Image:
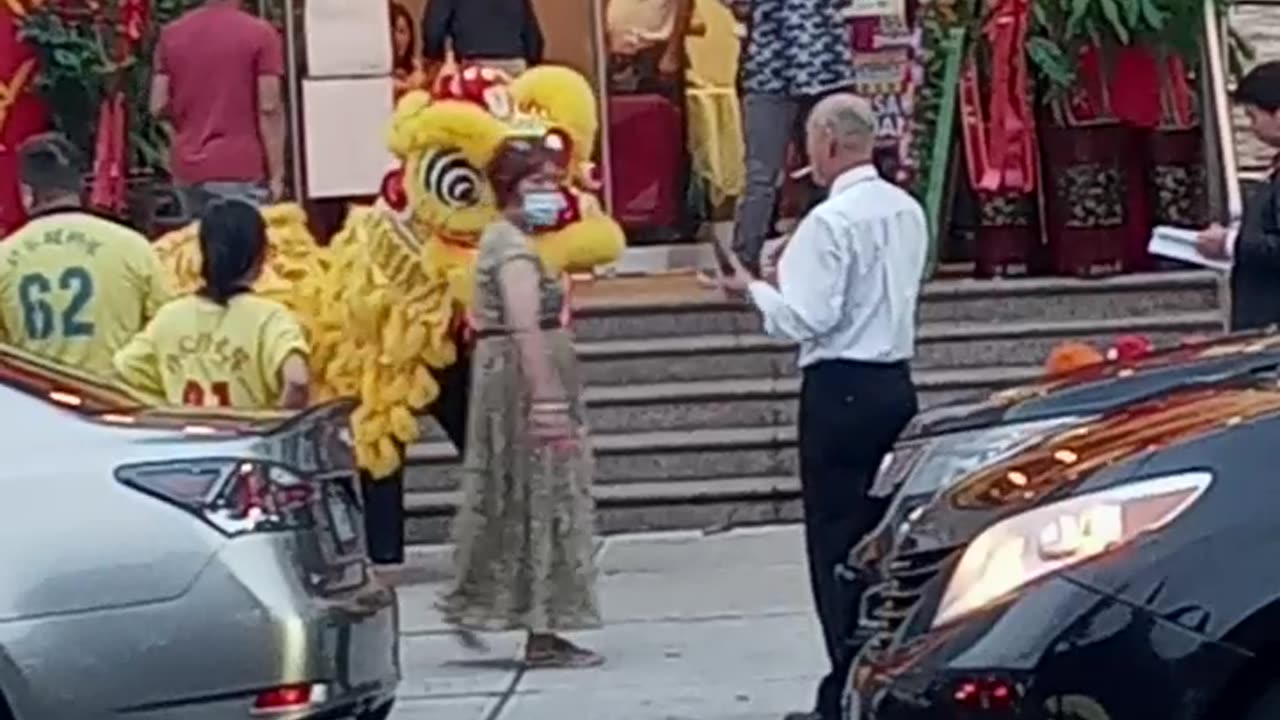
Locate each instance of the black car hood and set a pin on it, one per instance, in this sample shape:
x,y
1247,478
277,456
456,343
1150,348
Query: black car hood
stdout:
x,y
1086,456
1101,387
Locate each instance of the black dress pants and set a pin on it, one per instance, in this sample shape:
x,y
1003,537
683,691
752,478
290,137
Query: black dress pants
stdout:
x,y
384,499
851,413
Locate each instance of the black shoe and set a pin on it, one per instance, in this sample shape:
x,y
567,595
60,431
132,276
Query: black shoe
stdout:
x,y
802,716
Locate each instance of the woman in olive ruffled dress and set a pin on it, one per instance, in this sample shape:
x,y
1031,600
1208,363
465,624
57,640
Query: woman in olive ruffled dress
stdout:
x,y
524,534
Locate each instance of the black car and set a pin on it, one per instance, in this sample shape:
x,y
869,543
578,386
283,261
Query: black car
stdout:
x,y
1120,569
943,444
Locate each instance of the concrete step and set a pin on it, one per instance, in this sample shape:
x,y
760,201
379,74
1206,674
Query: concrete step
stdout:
x,y
642,457
945,301
661,453
744,402
940,345
750,380
712,505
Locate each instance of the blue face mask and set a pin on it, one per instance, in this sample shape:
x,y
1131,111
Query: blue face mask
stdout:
x,y
542,209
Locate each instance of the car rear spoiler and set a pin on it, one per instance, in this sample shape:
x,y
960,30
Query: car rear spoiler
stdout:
x,y
336,410
317,440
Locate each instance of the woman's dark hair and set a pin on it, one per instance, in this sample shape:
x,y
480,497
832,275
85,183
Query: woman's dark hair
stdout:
x,y
1260,87
233,239
515,160
403,61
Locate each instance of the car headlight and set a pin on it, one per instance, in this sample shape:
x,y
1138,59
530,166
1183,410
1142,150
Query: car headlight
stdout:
x,y
1022,549
919,468
927,465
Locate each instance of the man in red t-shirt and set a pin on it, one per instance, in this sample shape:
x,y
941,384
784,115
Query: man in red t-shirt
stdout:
x,y
218,73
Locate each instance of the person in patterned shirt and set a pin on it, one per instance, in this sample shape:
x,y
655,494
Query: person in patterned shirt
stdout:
x,y
795,53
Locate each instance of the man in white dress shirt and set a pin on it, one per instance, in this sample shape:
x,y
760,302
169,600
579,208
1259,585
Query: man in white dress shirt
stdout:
x,y
847,287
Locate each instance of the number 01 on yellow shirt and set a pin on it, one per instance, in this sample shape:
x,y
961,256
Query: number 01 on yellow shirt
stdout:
x,y
199,353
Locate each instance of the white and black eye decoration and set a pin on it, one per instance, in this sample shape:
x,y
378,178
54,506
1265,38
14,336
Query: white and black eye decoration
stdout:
x,y
449,176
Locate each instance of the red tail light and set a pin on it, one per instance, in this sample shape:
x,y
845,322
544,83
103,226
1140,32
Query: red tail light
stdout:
x,y
990,694
234,496
289,698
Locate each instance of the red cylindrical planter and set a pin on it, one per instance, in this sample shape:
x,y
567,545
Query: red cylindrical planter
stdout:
x,y
1008,232
1176,177
1097,219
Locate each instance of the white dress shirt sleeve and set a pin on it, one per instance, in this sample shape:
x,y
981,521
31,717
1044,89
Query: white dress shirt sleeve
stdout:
x,y
812,275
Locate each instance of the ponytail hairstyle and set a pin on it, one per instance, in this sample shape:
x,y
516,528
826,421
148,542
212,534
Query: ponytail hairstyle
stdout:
x,y
233,240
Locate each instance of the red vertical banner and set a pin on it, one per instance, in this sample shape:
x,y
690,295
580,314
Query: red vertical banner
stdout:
x,y
22,112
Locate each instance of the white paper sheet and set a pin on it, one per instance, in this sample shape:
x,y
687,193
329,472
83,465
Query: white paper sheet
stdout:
x,y
1180,244
346,38
345,126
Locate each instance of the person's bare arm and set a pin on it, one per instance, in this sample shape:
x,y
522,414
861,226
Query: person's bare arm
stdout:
x,y
520,297
672,60
158,99
295,383
271,128
270,69
158,102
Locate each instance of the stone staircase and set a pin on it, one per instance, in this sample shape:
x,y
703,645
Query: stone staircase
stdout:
x,y
693,410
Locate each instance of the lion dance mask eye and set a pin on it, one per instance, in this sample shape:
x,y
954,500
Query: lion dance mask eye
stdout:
x,y
449,176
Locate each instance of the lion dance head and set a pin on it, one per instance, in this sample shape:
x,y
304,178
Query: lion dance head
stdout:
x,y
444,141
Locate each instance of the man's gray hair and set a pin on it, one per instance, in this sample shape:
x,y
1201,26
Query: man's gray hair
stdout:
x,y
849,118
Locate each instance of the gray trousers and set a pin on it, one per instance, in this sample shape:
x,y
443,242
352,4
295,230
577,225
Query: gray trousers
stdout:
x,y
769,124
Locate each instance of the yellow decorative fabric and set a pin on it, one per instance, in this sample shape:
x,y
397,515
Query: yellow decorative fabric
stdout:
x,y
716,146
715,141
713,53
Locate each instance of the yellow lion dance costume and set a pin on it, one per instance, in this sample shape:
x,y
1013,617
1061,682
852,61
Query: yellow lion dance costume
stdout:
x,y
384,302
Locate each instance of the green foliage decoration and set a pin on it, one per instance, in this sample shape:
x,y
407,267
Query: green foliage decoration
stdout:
x,y
74,45
1061,28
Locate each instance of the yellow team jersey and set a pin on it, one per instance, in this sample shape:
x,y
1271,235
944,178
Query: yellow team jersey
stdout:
x,y
197,352
75,287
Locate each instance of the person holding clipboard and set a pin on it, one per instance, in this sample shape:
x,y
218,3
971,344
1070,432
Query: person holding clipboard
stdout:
x,y
1253,249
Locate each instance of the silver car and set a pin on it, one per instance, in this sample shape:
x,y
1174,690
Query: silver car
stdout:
x,y
159,564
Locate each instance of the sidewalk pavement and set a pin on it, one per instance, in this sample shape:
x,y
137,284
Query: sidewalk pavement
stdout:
x,y
715,627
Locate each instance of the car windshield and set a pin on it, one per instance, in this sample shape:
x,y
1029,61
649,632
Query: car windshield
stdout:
x,y
109,400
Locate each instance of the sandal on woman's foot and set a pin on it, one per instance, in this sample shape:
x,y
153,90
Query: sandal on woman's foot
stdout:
x,y
562,659
560,653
